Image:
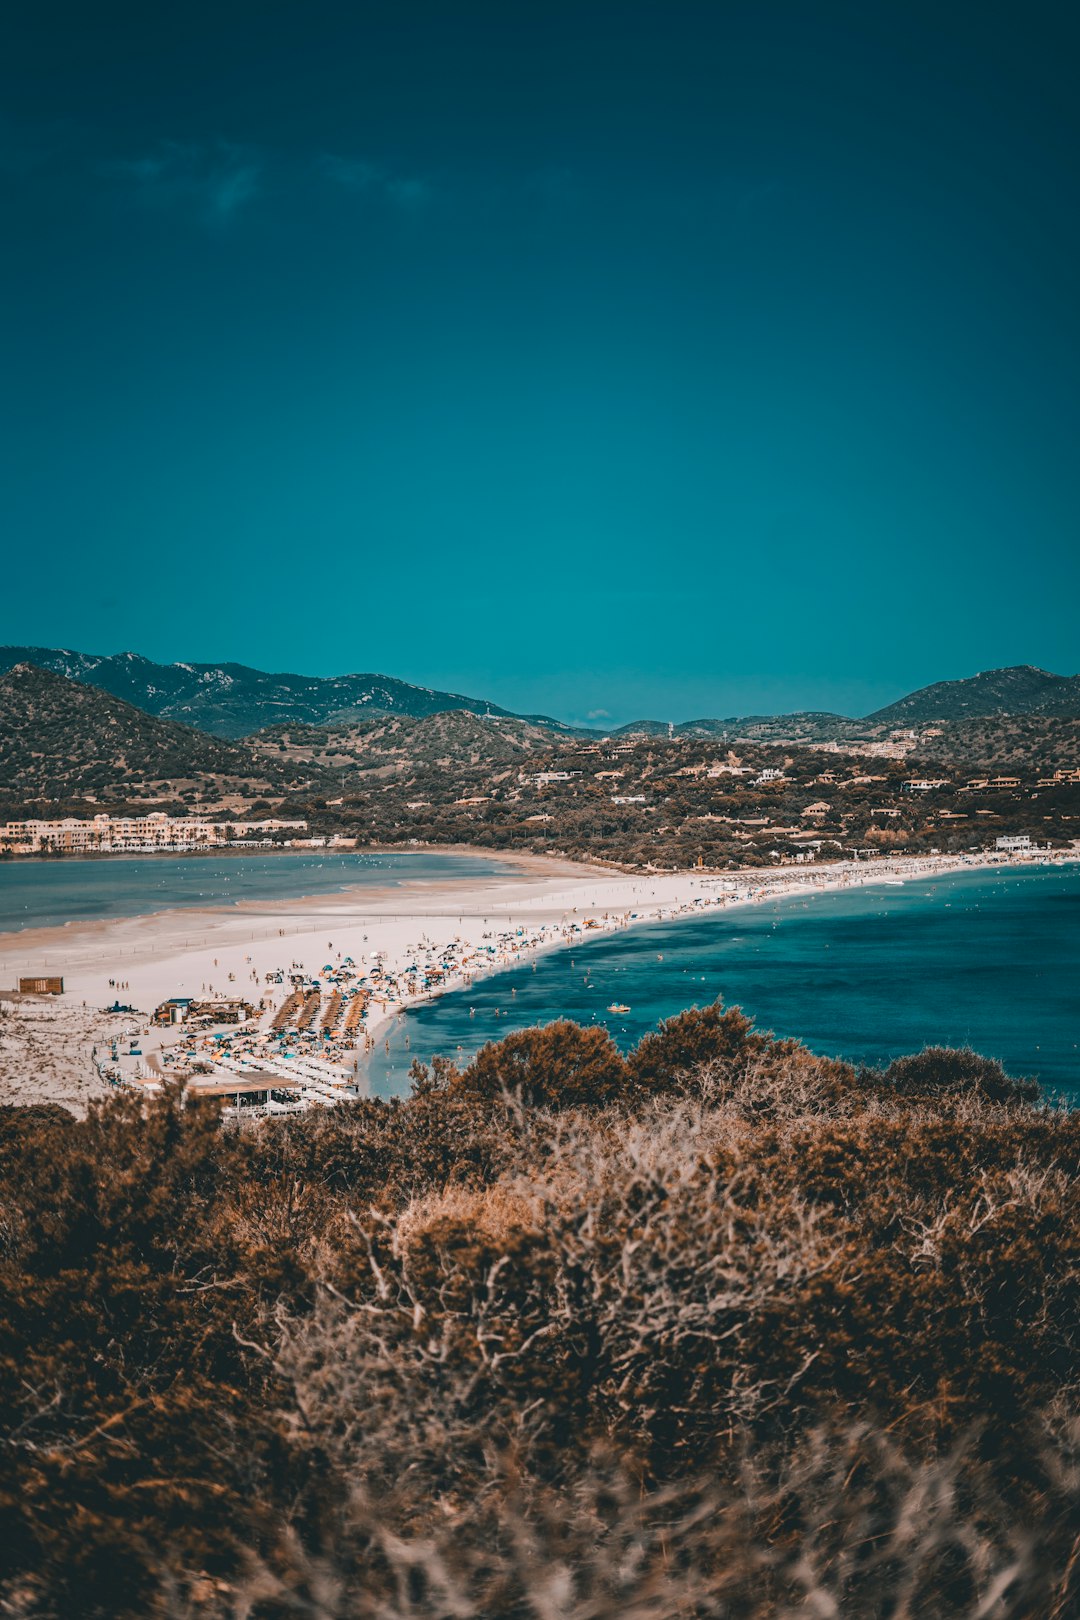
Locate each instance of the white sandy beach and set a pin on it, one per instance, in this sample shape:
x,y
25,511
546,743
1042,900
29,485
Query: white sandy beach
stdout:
x,y
453,930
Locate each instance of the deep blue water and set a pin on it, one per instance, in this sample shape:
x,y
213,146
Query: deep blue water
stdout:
x,y
990,960
41,893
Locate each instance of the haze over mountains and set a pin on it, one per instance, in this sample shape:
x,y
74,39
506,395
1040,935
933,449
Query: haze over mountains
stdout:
x,y
233,700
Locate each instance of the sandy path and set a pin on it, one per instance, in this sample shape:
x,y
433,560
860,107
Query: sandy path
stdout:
x,y
46,1050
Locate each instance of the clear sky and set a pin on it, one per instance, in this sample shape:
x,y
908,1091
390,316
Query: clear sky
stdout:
x,y
604,359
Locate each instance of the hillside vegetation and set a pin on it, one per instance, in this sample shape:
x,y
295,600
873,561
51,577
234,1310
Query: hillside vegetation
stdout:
x,y
719,1330
671,802
407,743
64,742
1036,743
234,700
1020,689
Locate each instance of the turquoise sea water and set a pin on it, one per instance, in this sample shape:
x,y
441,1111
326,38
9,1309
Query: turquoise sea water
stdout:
x,y
40,894
986,959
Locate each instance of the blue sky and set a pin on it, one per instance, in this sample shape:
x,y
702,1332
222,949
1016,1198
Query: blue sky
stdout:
x,y
601,359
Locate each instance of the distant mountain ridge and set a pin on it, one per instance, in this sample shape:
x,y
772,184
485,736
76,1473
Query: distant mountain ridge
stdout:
x,y
1020,689
809,726
234,700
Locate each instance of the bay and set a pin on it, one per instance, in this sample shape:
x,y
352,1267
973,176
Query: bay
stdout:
x,y
988,959
50,892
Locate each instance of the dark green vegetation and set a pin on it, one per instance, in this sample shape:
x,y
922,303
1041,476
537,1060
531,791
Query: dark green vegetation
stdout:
x,y
1023,689
388,744
1036,744
724,1329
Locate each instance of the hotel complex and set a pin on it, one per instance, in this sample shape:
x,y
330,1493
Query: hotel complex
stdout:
x,y
108,834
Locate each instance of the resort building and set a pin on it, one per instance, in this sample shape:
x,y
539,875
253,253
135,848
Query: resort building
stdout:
x,y
996,784
135,834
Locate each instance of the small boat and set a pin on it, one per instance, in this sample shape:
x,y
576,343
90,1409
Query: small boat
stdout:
x,y
618,1006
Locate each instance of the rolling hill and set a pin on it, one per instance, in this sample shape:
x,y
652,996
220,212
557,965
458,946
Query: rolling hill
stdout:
x,y
774,728
453,739
65,742
1022,689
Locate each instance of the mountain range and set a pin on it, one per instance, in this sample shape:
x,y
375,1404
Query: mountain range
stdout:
x,y
67,742
1017,691
1021,689
233,700
63,742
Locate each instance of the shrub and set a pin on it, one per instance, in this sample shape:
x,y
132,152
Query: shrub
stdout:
x,y
559,1065
729,1330
666,1060
942,1071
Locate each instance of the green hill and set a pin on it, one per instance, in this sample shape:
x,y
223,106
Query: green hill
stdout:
x,y
64,741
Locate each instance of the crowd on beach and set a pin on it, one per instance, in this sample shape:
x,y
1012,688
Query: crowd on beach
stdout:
x,y
307,1030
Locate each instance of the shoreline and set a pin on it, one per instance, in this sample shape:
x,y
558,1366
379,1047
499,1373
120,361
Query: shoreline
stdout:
x,y
843,877
240,907
411,943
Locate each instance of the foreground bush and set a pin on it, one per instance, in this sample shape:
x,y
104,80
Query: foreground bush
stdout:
x,y
721,1329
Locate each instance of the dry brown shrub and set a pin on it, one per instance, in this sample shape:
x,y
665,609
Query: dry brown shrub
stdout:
x,y
765,1338
493,1211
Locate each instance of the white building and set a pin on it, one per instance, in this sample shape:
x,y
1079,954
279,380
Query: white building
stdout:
x,y
136,834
